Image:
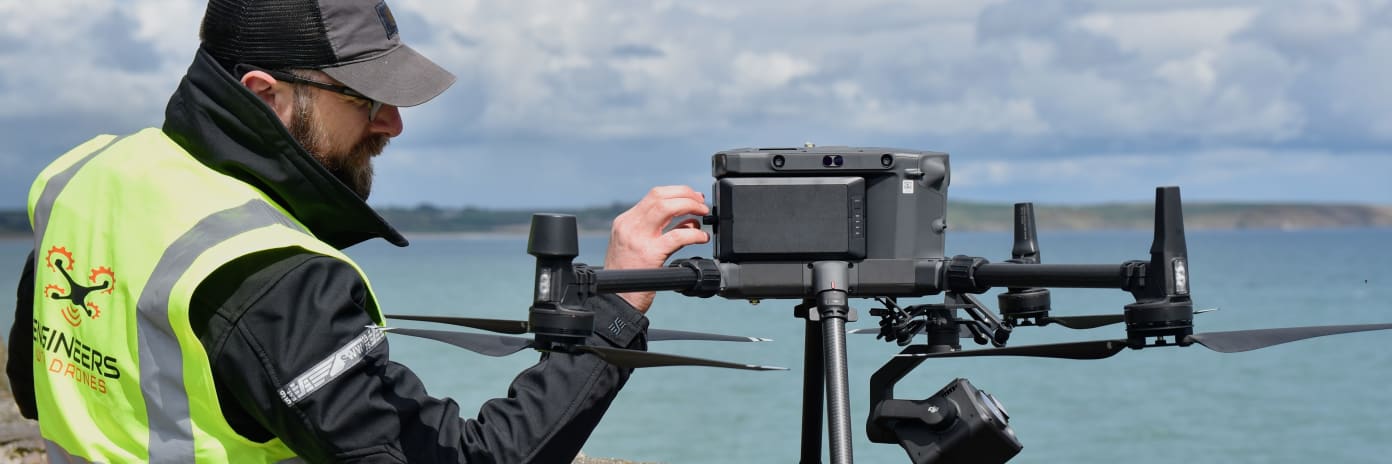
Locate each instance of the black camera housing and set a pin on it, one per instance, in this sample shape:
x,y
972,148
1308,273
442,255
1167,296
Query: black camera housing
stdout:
x,y
957,425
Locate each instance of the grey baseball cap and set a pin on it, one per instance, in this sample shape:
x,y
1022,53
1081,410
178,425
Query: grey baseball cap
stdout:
x,y
353,41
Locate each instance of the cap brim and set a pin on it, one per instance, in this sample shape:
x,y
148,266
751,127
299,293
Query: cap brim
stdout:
x,y
401,77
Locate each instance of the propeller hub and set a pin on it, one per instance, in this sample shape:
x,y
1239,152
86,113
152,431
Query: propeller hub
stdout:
x,y
1171,317
558,326
1024,306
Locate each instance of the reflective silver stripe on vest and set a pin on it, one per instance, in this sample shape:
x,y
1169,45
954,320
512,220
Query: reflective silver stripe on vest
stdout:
x,y
44,208
58,455
161,360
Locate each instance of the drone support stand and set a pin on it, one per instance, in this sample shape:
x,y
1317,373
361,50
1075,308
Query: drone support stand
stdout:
x,y
812,386
825,361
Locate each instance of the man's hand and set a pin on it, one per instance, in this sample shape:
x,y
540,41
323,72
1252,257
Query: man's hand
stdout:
x,y
637,240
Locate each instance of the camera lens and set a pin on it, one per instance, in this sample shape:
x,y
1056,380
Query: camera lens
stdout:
x,y
990,404
837,160
886,160
778,161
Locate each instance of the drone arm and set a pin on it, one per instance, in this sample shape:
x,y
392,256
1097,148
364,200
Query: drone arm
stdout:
x,y
1051,275
632,280
1163,307
690,277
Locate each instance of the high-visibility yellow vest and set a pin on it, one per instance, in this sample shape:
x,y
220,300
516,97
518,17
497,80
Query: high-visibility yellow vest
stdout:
x,y
125,229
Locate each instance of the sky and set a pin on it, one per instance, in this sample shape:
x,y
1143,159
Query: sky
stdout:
x,y
591,102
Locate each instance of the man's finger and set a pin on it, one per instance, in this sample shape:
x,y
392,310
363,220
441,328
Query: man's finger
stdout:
x,y
660,215
685,222
678,238
673,207
672,191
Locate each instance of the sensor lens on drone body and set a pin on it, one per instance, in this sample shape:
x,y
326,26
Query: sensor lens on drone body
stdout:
x,y
992,405
833,161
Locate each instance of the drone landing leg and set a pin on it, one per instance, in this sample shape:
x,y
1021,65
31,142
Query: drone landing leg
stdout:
x,y
811,384
830,279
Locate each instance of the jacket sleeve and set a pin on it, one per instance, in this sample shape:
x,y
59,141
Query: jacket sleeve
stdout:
x,y
270,337
20,367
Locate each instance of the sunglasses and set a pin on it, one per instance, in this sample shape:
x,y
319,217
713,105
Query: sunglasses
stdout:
x,y
373,105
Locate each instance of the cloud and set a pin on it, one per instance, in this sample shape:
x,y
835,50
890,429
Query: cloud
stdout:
x,y
1337,48
763,71
1036,83
1219,174
636,51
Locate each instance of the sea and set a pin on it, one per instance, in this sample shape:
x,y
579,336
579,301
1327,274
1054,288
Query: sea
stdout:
x,y
1321,400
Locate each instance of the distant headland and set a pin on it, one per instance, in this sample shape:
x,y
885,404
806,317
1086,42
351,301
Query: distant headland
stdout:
x,y
961,216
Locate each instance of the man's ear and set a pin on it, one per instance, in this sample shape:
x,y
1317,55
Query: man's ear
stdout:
x,y
280,98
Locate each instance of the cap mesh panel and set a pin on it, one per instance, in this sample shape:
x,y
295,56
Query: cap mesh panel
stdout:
x,y
268,33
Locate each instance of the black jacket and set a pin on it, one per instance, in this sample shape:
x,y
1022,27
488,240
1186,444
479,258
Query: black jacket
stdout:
x,y
267,317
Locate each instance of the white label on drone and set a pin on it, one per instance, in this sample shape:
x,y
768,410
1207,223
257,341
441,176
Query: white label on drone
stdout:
x,y
544,286
908,187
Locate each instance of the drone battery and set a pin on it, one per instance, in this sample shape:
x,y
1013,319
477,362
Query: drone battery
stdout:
x,y
791,217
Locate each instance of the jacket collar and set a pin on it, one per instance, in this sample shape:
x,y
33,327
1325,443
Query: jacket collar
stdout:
x,y
227,128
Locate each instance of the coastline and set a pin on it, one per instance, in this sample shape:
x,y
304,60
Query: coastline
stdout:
x,y
516,234
437,222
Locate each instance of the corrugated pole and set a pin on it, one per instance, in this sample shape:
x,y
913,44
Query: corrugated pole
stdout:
x,y
811,383
831,283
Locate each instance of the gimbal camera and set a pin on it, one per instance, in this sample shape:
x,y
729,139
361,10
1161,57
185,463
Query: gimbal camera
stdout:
x,y
823,225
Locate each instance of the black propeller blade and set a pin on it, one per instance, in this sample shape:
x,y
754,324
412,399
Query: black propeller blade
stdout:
x,y
1087,322
1099,320
1072,322
490,345
962,332
632,358
520,327
1247,340
501,345
1097,349
1223,342
655,335
491,325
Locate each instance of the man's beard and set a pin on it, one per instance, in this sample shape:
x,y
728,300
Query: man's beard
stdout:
x,y
353,168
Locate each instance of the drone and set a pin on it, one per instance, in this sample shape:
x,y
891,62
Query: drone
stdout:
x,y
821,225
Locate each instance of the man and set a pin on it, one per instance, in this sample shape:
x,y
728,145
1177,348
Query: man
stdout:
x,y
186,299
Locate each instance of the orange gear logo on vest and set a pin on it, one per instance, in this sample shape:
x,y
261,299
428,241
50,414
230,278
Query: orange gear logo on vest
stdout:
x,y
78,296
